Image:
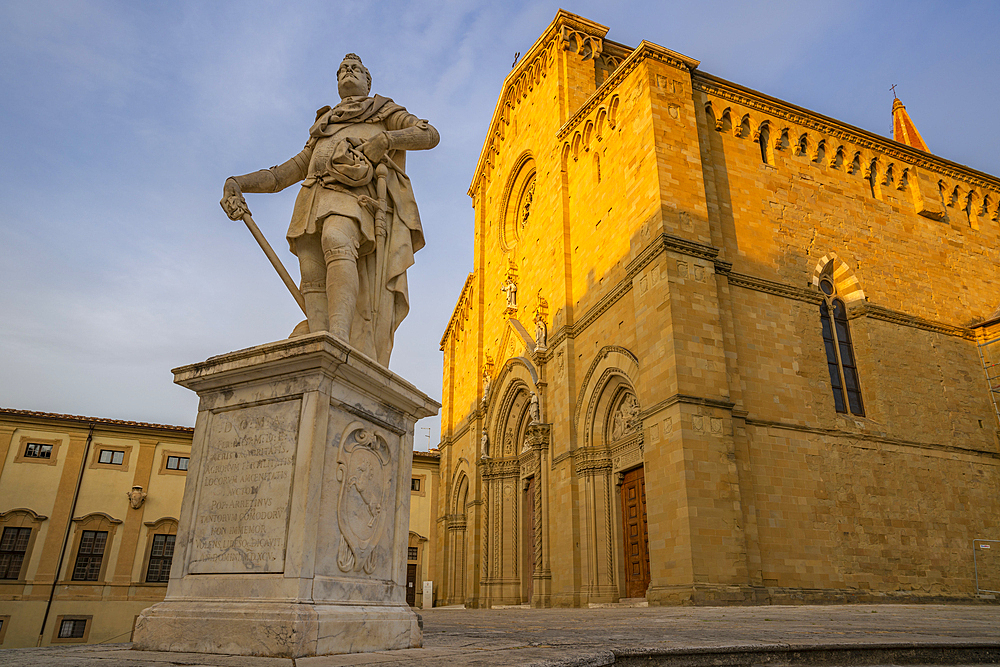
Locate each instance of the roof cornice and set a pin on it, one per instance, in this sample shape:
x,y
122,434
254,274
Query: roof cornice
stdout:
x,y
551,33
458,307
756,100
645,51
85,422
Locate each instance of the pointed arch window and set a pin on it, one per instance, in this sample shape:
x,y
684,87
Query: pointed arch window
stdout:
x,y
840,352
764,139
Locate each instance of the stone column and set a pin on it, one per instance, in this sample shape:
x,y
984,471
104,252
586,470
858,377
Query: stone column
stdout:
x,y
294,525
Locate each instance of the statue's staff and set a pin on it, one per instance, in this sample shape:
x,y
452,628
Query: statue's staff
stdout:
x,y
240,207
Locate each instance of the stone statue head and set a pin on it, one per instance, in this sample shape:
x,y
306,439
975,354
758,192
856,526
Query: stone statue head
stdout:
x,y
353,78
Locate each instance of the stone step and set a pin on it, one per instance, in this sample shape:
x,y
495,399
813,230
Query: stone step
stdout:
x,y
622,603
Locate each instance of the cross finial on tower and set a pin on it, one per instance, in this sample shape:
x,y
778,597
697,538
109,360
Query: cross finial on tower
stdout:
x,y
903,129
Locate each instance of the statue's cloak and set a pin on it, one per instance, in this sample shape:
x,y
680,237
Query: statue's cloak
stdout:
x,y
336,167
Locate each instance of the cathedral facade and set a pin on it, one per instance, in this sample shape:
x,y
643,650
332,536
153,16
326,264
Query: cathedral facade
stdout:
x,y
714,348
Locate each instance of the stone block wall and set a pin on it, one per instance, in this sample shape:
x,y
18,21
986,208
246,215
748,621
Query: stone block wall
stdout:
x,y
674,243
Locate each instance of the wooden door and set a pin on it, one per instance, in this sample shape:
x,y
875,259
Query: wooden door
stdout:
x,y
636,543
529,537
411,584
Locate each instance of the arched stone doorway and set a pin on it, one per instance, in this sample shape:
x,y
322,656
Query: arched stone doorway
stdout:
x,y
456,536
610,468
504,573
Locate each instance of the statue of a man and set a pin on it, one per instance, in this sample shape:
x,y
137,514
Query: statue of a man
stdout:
x,y
534,411
487,383
509,288
352,260
541,332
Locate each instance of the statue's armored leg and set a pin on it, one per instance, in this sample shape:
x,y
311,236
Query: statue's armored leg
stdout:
x,y
341,239
313,287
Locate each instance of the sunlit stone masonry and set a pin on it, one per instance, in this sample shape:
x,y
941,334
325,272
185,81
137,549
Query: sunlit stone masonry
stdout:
x,y
715,347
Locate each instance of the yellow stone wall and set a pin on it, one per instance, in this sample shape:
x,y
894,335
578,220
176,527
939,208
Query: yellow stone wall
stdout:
x,y
423,527
671,260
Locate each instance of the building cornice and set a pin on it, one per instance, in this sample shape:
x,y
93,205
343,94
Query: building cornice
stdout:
x,y
753,99
455,314
645,51
523,68
855,439
85,422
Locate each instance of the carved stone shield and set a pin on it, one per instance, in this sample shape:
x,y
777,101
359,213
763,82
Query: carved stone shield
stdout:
x,y
366,496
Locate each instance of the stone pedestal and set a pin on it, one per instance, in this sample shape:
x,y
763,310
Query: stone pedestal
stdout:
x,y
294,525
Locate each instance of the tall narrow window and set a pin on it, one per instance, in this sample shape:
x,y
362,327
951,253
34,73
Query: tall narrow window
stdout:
x,y
839,352
161,555
90,555
13,545
764,139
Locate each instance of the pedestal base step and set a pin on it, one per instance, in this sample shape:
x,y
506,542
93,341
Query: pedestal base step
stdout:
x,y
275,629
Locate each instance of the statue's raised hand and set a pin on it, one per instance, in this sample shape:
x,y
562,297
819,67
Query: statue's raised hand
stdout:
x,y
376,148
233,202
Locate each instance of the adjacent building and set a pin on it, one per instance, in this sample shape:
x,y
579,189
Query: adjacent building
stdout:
x,y
714,347
88,519
420,563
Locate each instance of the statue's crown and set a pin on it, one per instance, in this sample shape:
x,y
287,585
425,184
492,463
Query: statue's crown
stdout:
x,y
353,56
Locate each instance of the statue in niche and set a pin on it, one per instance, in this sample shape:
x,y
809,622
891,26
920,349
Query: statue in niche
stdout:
x,y
626,418
487,381
509,288
533,410
355,225
541,332
526,200
484,444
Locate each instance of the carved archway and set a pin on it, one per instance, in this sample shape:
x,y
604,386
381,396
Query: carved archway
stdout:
x,y
609,425
612,361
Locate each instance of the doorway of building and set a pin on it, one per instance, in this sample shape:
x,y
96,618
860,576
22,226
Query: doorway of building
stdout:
x,y
634,525
529,537
411,584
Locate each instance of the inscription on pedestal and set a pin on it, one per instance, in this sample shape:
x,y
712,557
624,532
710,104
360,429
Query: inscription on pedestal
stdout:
x,y
245,484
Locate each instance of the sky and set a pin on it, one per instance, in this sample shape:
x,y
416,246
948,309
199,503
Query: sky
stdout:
x,y
120,121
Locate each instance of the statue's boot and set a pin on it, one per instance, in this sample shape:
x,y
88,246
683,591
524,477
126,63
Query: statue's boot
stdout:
x,y
342,300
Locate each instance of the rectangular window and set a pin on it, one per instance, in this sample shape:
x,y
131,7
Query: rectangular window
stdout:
x,y
72,628
37,450
411,553
112,456
415,484
90,555
160,557
177,462
13,545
